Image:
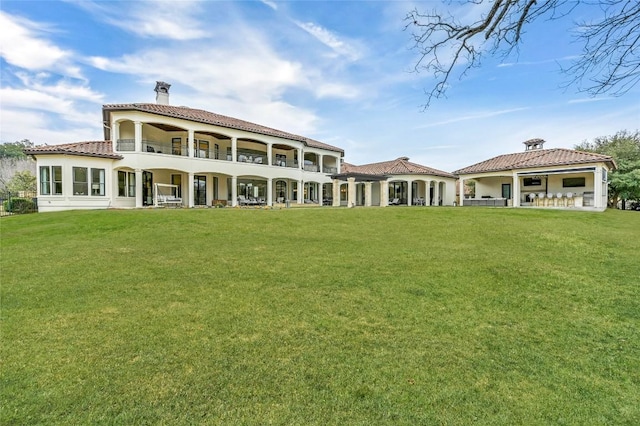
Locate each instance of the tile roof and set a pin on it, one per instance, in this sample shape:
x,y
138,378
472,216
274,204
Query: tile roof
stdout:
x,y
207,117
101,149
536,158
399,166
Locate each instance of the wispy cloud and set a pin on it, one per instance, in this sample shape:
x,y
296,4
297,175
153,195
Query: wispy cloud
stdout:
x,y
334,42
25,45
588,100
542,62
173,20
273,5
480,115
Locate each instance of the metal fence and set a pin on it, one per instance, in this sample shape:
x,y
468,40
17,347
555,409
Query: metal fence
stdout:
x,y
21,202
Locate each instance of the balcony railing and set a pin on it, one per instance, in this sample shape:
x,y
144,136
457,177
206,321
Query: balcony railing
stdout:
x,y
126,145
243,156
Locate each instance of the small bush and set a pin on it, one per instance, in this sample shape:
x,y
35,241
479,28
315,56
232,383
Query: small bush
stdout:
x,y
19,205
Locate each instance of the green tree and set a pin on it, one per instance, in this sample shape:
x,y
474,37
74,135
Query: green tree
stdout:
x,y
22,181
15,149
624,147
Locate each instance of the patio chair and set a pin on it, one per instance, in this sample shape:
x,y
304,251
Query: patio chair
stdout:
x,y
532,198
395,202
550,199
559,197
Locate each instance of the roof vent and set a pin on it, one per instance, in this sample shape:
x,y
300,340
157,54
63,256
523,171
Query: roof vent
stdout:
x,y
533,144
404,158
162,93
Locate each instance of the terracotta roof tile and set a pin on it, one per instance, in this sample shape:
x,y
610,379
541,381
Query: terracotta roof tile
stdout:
x,y
399,166
102,149
536,158
207,117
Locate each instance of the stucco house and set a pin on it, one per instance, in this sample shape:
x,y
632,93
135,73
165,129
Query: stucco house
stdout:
x,y
538,177
157,154
395,182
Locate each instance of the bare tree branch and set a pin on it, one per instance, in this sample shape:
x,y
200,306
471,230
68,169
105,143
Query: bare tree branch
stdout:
x,y
610,61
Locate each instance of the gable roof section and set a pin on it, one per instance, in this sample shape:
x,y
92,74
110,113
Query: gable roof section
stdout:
x,y
102,149
399,166
207,117
536,158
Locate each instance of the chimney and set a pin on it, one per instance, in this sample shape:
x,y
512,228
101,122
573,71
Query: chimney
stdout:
x,y
162,93
533,144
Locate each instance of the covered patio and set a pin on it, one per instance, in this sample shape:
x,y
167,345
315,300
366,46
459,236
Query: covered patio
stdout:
x,y
542,178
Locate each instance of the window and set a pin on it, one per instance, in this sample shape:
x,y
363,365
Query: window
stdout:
x,y
80,181
97,182
176,146
51,180
532,181
177,180
201,148
573,182
126,184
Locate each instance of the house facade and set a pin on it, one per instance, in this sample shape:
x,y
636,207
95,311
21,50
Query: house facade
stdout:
x,y
538,177
396,182
158,154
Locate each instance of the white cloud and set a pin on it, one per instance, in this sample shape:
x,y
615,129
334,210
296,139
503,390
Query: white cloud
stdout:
x,y
473,116
326,37
273,5
24,44
174,20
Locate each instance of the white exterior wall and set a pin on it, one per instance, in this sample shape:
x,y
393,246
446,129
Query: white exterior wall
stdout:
x,y
68,200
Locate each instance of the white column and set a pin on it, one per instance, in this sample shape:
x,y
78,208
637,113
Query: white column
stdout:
x,y
139,202
299,199
367,194
320,163
461,184
336,193
115,134
190,191
234,152
351,192
138,136
300,160
436,193
337,164
409,192
269,191
384,193
190,146
269,155
234,191
516,191
597,188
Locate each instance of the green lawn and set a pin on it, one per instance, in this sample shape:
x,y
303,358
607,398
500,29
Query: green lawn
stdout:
x,y
398,316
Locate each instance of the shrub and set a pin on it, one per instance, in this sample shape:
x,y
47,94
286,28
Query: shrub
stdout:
x,y
19,205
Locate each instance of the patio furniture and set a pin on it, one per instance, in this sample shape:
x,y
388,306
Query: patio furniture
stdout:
x,y
550,199
570,200
559,198
541,199
532,198
395,202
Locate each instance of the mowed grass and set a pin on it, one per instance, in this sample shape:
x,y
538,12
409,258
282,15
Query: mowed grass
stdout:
x,y
398,316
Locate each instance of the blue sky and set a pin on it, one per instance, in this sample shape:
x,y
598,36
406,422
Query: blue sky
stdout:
x,y
335,71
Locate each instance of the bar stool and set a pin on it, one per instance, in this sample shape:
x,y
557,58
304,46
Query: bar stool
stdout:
x,y
541,199
570,200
